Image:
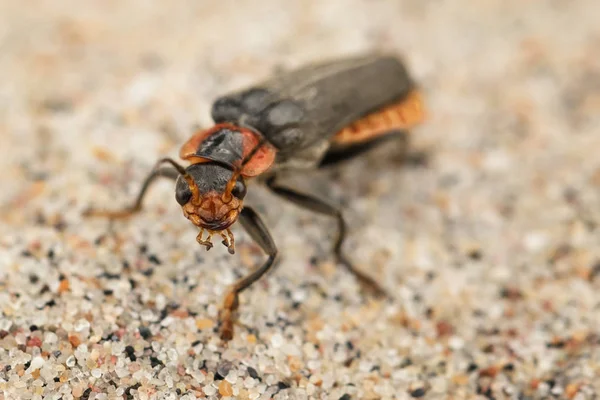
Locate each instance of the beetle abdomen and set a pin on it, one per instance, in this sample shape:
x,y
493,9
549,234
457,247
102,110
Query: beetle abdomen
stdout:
x,y
401,115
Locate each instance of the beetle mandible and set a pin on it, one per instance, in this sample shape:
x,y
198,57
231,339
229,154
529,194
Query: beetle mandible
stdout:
x,y
302,119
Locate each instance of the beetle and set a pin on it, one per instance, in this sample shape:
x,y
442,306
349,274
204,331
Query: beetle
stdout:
x,y
303,119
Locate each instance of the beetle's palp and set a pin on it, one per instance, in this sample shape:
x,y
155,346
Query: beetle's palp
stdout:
x,y
228,240
205,242
227,235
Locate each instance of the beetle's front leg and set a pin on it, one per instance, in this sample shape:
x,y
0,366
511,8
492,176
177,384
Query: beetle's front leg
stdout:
x,y
253,224
166,172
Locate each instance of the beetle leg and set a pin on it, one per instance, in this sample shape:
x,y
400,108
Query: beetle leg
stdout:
x,y
166,172
319,206
253,224
334,157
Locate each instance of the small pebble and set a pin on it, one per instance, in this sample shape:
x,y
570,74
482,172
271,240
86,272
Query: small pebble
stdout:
x,y
81,325
37,363
50,338
276,340
252,373
223,369
225,388
209,390
70,362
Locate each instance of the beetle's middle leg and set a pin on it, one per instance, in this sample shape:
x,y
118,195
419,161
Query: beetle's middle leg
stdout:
x,y
166,172
319,206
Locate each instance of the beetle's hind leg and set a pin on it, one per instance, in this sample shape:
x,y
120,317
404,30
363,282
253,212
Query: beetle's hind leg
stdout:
x,y
319,206
337,156
165,172
252,223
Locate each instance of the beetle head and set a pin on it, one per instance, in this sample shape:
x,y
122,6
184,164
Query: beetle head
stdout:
x,y
211,197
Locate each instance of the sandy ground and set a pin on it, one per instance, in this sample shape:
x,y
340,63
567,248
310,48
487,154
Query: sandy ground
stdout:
x,y
486,233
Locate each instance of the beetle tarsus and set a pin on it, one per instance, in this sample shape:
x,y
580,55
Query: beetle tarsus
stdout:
x,y
227,315
259,232
367,284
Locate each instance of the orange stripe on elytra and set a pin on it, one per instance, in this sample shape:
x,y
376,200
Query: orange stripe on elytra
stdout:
x,y
404,114
400,116
374,121
387,118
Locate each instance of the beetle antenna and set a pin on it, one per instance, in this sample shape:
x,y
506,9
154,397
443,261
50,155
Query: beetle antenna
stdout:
x,y
188,178
236,173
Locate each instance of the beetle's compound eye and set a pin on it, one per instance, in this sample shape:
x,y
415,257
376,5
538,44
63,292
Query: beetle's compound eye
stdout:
x,y
183,194
239,190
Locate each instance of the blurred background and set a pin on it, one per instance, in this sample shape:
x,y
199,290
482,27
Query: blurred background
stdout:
x,y
94,73
486,232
